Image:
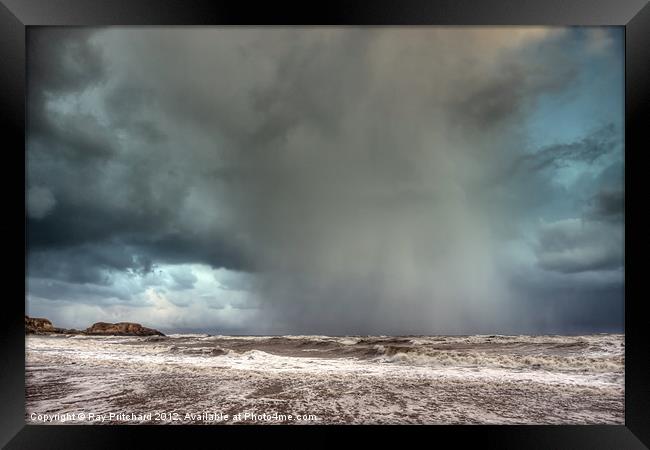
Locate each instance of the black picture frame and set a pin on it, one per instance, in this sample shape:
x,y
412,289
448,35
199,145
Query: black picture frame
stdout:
x,y
16,15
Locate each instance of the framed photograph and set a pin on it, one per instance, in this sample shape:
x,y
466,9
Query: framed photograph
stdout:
x,y
366,214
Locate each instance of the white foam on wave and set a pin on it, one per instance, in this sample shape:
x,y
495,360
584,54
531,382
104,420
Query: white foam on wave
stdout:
x,y
434,363
188,335
448,358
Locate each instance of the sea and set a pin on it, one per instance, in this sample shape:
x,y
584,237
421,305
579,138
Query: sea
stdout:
x,y
312,380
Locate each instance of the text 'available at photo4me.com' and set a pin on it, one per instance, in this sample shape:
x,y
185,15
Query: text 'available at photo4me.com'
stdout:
x,y
167,417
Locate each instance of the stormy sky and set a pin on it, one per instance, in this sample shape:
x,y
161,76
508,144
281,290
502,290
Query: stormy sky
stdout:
x,y
327,180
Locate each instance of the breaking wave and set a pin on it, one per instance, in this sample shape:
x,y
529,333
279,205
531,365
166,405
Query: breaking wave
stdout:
x,y
592,353
446,358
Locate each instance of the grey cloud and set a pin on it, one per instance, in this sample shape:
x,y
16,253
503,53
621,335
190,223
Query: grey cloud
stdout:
x,y
509,92
40,202
582,305
608,204
88,264
183,279
602,141
63,60
78,138
575,245
57,290
60,61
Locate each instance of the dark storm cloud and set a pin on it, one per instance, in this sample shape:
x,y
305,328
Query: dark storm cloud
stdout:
x,y
592,147
583,305
489,103
576,245
594,239
351,173
95,200
98,294
589,149
40,202
85,258
608,204
77,138
183,279
92,263
60,62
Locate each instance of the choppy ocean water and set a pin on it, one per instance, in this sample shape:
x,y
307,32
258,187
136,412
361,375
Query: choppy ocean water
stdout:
x,y
202,379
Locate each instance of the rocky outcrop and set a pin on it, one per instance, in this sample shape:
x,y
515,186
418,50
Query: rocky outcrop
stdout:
x,y
37,325
121,329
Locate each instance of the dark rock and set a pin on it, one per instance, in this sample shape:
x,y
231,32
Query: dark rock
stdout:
x,y
36,325
121,329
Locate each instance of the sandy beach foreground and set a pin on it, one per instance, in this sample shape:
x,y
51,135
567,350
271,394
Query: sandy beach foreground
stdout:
x,y
201,379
